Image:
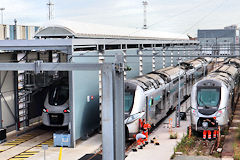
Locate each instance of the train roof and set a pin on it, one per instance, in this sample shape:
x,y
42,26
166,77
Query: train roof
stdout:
x,y
226,73
171,72
196,63
228,69
148,81
224,77
235,61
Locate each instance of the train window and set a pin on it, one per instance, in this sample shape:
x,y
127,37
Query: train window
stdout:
x,y
58,95
208,97
175,81
128,101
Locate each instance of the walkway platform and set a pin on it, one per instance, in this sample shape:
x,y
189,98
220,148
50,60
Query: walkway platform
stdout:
x,y
165,150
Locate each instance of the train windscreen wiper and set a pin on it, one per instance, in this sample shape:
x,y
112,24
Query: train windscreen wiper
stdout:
x,y
204,104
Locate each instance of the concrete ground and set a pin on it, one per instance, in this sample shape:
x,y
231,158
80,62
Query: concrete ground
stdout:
x,y
195,158
166,148
164,151
82,148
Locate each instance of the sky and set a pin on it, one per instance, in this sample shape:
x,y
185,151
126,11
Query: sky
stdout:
x,y
179,16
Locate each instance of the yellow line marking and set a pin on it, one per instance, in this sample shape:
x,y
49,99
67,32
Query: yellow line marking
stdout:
x,y
9,145
13,142
31,152
23,156
28,154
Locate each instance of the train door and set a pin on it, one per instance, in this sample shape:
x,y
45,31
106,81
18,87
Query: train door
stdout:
x,y
163,101
167,97
150,109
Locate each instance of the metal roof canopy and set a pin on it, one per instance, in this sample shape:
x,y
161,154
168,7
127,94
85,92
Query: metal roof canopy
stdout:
x,y
112,112
113,137
87,44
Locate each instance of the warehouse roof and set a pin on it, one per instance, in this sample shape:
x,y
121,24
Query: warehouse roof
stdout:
x,y
86,30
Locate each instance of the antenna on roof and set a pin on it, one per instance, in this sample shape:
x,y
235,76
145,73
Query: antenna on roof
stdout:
x,y
145,3
50,10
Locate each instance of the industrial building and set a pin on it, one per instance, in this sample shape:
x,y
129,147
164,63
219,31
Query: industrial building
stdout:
x,y
22,32
214,39
60,52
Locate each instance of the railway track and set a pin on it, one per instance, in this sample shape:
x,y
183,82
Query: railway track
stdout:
x,y
25,145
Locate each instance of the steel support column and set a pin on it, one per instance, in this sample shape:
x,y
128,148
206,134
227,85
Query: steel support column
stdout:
x,y
163,59
1,125
140,53
153,60
71,126
112,113
119,128
16,104
171,58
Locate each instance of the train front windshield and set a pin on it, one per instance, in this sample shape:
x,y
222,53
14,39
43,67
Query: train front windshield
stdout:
x,y
208,97
128,101
58,95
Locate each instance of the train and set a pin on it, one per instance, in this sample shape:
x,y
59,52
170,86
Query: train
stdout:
x,y
214,97
56,109
152,96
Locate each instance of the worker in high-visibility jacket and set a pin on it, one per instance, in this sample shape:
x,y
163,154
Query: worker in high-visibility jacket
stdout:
x,y
145,131
140,138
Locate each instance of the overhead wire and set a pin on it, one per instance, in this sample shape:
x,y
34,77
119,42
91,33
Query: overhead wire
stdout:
x,y
185,11
205,16
179,14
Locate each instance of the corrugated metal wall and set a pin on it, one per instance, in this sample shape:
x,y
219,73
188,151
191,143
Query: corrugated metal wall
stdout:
x,y
7,89
23,32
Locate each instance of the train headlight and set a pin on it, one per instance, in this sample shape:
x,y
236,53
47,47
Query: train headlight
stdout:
x,y
219,113
45,110
67,110
194,112
134,117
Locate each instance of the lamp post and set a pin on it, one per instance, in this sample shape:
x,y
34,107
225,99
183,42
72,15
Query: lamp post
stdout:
x,y
2,9
177,122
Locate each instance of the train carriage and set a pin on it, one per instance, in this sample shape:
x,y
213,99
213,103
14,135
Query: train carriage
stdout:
x,y
153,95
213,98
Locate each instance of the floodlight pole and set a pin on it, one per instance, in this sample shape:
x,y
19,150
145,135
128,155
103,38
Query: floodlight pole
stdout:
x,y
2,9
145,3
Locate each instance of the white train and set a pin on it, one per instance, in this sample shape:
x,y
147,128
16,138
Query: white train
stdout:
x,y
56,106
153,95
214,97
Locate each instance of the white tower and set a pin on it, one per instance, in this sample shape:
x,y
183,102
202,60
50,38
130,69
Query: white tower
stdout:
x,y
145,3
50,10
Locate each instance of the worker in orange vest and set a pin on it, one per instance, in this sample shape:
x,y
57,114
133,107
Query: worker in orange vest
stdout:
x,y
145,128
140,140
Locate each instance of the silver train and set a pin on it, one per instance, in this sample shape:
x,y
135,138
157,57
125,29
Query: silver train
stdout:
x,y
153,95
56,106
214,97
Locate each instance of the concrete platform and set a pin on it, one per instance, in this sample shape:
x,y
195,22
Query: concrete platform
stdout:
x,y
83,147
163,151
166,148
